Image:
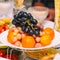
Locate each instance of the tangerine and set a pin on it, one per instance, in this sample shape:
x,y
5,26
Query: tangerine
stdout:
x,y
11,37
49,31
45,40
28,42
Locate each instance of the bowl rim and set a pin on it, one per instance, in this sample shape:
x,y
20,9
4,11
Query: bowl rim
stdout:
x,y
33,7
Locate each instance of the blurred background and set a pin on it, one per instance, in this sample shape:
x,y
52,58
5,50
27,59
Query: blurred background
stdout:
x,y
9,10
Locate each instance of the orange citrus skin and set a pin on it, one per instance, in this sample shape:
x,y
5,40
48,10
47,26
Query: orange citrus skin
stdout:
x,y
11,36
28,42
45,40
49,31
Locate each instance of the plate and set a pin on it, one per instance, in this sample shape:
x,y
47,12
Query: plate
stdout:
x,y
47,23
55,41
57,57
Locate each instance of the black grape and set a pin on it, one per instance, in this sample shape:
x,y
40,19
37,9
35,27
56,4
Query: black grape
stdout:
x,y
15,16
27,30
20,14
14,21
37,28
32,25
25,14
23,28
27,22
30,16
23,19
30,32
34,21
37,33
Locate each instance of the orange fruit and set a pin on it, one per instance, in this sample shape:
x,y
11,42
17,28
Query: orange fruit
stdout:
x,y
45,40
49,31
11,37
28,42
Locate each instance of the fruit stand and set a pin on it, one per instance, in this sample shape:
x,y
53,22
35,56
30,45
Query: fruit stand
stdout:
x,y
25,35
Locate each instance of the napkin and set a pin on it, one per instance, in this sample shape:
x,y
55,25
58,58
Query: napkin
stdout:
x,y
57,57
3,58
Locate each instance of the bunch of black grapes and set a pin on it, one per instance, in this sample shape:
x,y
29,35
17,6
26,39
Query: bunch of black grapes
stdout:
x,y
27,23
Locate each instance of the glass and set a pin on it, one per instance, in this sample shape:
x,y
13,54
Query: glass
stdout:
x,y
18,3
57,15
39,13
6,9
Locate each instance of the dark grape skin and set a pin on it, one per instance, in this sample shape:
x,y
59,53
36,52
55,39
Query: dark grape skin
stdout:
x,y
34,21
26,30
23,19
17,25
30,31
15,16
32,25
23,28
30,16
20,14
37,28
25,14
14,21
37,33
19,20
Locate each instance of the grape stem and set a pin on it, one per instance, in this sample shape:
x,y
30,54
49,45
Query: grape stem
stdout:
x,y
28,22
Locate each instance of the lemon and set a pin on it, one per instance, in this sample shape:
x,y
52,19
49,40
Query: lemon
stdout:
x,y
6,20
1,22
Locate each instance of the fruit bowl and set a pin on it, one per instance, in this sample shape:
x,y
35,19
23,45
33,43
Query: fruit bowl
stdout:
x,y
27,33
4,40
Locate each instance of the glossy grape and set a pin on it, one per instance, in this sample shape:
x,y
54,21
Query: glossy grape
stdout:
x,y
23,28
25,14
24,19
32,25
20,14
26,22
37,28
30,16
30,32
16,16
34,21
37,33
14,21
27,30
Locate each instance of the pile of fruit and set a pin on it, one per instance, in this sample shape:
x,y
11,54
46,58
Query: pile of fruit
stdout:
x,y
4,24
27,23
26,32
